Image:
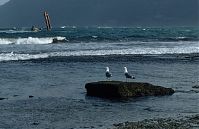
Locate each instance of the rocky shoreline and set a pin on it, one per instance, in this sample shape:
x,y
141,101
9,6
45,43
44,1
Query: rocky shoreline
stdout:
x,y
188,122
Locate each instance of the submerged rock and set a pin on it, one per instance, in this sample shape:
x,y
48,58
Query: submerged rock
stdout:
x,y
31,96
3,98
196,86
15,95
35,123
118,89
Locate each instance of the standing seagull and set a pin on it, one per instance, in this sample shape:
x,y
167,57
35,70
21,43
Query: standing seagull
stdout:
x,y
127,74
108,74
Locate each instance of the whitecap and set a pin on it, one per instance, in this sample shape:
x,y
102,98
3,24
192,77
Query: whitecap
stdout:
x,y
14,56
29,40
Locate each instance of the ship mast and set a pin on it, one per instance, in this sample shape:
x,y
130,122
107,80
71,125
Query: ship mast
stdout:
x,y
47,21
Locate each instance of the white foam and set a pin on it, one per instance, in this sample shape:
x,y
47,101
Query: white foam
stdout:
x,y
14,56
63,27
60,38
96,49
14,31
5,41
94,36
29,40
140,51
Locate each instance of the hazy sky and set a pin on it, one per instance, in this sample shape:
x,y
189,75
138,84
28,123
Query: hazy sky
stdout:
x,y
100,12
3,1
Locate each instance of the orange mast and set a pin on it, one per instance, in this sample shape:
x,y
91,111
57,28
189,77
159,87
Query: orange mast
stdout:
x,y
47,21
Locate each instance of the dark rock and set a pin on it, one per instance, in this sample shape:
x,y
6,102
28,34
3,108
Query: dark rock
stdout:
x,y
196,86
31,96
35,123
118,89
196,117
119,124
15,95
194,91
148,109
56,40
3,98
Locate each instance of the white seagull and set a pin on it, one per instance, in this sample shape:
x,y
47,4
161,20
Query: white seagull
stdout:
x,y
108,74
127,75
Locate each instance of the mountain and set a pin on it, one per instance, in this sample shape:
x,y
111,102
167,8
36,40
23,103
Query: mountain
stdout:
x,y
25,13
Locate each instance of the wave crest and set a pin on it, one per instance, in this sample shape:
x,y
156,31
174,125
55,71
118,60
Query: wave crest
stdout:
x,y
80,53
30,40
14,56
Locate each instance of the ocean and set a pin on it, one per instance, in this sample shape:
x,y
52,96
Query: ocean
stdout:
x,y
42,81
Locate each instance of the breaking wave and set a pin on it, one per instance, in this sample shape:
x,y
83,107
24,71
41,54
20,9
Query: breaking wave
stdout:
x,y
80,53
30,40
14,57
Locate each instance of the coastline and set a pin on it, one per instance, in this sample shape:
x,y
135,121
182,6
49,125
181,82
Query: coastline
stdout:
x,y
43,83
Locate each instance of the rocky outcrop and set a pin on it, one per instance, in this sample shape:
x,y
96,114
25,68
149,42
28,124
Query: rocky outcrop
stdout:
x,y
57,40
118,89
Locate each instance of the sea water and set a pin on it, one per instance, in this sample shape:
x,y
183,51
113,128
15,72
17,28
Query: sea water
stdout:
x,y
55,75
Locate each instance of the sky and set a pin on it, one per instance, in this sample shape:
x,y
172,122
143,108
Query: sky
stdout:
x,y
25,13
3,2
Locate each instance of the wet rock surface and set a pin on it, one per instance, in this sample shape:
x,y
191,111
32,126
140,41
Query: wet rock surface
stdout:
x,y
118,89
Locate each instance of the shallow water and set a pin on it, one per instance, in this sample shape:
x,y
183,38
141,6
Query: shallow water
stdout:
x,y
60,99
55,74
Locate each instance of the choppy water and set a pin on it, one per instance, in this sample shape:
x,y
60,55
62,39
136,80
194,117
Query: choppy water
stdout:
x,y
55,74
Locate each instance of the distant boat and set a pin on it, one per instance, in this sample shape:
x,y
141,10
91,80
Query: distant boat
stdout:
x,y
35,29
